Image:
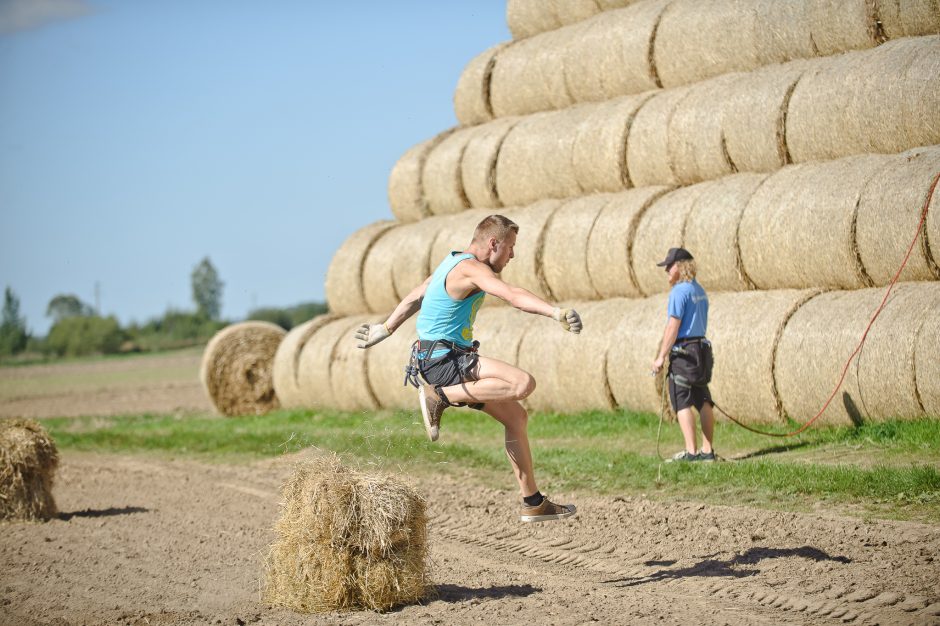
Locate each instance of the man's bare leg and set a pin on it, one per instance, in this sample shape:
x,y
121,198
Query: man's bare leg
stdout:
x,y
708,427
497,381
687,424
515,420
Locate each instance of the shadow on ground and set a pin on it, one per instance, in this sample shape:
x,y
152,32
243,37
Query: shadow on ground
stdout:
x,y
127,510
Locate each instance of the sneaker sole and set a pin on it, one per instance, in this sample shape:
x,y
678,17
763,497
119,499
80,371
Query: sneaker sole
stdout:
x,y
432,432
550,517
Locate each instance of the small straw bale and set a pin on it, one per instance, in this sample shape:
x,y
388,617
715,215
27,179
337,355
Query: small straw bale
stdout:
x,y
571,370
236,369
313,367
411,264
744,329
599,156
782,31
633,346
28,461
661,227
711,231
344,284
530,17
455,233
287,359
926,363
442,178
526,270
349,372
564,252
696,132
610,246
478,166
705,38
500,332
405,189
840,25
346,540
888,214
386,363
378,283
798,230
909,18
648,161
472,96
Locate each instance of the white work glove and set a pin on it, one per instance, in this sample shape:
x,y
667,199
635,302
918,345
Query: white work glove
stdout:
x,y
569,318
371,334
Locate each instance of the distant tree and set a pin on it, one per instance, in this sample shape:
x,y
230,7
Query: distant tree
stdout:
x,y
207,289
85,334
67,305
13,335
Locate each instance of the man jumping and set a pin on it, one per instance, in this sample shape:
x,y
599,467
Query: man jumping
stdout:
x,y
445,356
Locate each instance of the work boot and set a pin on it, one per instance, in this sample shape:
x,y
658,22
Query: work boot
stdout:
x,y
547,511
431,409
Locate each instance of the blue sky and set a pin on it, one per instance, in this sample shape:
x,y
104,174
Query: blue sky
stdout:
x,y
137,137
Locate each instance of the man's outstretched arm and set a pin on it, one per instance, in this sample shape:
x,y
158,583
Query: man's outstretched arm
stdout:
x,y
371,334
523,299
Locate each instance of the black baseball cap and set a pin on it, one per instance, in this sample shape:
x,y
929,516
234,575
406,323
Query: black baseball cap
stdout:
x,y
676,254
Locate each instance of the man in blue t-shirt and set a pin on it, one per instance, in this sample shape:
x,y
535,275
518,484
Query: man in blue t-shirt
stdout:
x,y
689,354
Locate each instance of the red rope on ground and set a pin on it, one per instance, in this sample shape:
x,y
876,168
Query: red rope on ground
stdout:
x,y
920,226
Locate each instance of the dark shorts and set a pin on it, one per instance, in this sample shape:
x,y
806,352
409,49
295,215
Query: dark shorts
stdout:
x,y
450,369
685,397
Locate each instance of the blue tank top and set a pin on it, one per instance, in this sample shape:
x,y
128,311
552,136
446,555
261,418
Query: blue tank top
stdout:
x,y
442,317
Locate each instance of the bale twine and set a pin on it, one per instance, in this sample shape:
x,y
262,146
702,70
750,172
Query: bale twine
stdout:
x,y
236,368
599,153
633,345
500,332
782,31
660,228
378,283
526,269
313,367
744,329
711,231
478,167
287,384
344,284
28,461
798,230
648,160
888,214
908,18
348,373
530,17
405,189
411,264
610,246
346,540
442,179
840,25
926,363
385,364
564,252
455,234
472,96
571,370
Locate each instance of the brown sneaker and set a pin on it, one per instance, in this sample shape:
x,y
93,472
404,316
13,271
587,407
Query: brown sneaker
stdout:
x,y
547,511
431,409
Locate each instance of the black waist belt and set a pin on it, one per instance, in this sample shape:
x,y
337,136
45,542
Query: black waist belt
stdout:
x,y
685,340
424,346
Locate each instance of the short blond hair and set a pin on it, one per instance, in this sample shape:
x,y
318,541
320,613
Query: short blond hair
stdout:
x,y
687,270
497,226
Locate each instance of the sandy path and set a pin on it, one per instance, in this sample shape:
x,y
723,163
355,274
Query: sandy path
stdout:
x,y
146,541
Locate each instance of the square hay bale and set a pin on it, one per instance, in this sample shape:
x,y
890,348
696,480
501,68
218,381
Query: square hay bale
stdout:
x,y
346,540
28,460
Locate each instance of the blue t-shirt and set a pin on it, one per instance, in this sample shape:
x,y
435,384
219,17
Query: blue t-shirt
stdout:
x,y
688,303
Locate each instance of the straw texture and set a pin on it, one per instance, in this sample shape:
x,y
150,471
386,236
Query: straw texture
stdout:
x,y
348,373
610,246
530,17
840,25
516,86
346,540
478,166
287,385
378,283
236,369
386,362
648,161
28,462
411,264
500,332
798,230
442,177
633,345
926,363
406,193
564,255
783,31
455,233
344,280
909,18
313,367
472,96
526,270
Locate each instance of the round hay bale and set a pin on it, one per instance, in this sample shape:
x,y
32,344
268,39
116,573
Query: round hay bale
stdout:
x,y
908,18
888,214
840,25
565,250
346,540
287,385
782,31
348,373
526,269
633,345
455,234
695,136
661,227
313,367
744,329
516,87
571,370
28,461
599,153
920,99
386,363
500,332
236,368
648,161
711,232
610,246
572,11
442,179
478,166
530,17
411,264
344,281
405,189
378,282
472,96
798,230
555,47
926,363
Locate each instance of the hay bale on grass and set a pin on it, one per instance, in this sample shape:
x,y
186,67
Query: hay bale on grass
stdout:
x,y
526,270
648,160
236,369
313,367
564,252
472,96
287,384
28,461
610,246
406,193
633,345
478,166
349,371
344,284
385,365
798,230
346,540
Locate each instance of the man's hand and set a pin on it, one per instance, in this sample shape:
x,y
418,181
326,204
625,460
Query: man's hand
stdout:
x,y
657,365
569,319
371,334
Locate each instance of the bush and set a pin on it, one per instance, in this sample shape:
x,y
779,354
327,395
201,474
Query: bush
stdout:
x,y
88,334
176,329
288,317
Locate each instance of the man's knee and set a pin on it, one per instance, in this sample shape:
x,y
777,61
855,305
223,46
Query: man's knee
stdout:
x,y
524,385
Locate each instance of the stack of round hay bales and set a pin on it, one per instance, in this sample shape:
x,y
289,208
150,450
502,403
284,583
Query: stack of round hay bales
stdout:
x,y
349,373
472,96
526,18
500,332
331,375
406,194
633,344
28,461
648,162
237,368
287,384
564,253
527,269
344,278
385,365
478,165
346,540
442,178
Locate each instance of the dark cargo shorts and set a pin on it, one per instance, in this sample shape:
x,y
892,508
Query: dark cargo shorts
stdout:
x,y
685,397
449,369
